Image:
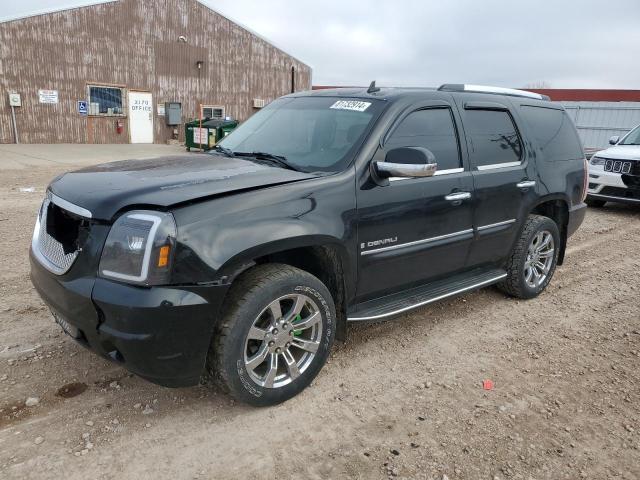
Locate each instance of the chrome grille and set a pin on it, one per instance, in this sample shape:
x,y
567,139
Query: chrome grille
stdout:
x,y
47,249
618,166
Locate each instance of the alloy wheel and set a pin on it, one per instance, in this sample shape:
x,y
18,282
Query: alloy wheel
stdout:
x,y
283,341
540,258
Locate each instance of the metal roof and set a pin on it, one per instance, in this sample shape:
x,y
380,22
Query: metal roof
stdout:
x,y
82,4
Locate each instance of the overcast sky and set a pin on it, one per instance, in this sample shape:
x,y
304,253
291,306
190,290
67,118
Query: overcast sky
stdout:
x,y
561,43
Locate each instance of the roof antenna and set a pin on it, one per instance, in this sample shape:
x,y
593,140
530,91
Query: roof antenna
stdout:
x,y
372,88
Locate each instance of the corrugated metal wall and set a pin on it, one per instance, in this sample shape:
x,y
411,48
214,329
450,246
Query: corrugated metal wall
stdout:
x,y
134,44
598,121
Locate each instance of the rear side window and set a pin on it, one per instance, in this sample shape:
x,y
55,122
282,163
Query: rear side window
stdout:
x,y
553,132
433,129
493,137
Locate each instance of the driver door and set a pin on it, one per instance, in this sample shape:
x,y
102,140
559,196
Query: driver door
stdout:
x,y
413,230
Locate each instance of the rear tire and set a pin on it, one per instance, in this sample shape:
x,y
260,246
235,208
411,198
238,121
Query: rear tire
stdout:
x,y
533,259
257,354
592,202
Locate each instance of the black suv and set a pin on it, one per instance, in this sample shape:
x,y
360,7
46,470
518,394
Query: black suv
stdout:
x,y
324,208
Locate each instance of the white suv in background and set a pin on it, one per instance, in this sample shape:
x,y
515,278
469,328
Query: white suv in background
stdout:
x,y
614,173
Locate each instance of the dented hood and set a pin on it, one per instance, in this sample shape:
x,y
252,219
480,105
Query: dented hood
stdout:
x,y
162,182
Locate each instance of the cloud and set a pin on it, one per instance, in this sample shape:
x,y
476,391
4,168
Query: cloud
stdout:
x,y
571,44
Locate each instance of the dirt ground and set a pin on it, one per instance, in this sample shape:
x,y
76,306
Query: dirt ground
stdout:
x,y
401,399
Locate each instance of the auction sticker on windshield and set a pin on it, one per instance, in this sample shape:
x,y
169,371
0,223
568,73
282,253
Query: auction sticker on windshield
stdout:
x,y
354,105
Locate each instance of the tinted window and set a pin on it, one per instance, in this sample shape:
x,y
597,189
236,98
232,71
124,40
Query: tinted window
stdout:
x,y
554,133
493,137
433,129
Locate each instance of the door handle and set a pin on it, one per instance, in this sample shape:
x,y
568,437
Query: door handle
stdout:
x,y
458,196
526,184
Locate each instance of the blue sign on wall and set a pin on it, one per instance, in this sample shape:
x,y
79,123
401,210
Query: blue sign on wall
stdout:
x,y
82,107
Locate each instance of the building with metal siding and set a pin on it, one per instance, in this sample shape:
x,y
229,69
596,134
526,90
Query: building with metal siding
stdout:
x,y
102,53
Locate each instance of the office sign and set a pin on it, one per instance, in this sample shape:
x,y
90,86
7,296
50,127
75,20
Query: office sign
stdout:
x,y
48,96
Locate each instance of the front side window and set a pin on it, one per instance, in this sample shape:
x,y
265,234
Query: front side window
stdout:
x,y
314,134
632,138
493,137
432,129
106,100
554,133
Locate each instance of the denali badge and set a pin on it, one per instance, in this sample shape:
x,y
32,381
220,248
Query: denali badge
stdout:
x,y
377,243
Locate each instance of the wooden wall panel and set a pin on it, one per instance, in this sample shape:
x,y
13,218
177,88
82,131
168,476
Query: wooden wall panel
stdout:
x,y
134,43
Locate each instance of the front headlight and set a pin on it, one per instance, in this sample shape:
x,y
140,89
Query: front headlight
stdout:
x,y
139,248
597,161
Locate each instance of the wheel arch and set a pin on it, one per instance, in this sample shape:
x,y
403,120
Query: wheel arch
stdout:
x,y
324,257
555,207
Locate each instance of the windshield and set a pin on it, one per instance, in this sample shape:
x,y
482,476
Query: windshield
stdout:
x,y
313,134
632,138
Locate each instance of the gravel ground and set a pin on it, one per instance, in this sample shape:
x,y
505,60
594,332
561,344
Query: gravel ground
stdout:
x,y
400,399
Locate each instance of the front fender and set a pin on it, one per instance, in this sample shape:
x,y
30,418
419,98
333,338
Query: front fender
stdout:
x,y
219,238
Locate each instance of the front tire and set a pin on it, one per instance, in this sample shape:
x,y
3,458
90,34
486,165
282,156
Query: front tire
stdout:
x,y
534,258
275,336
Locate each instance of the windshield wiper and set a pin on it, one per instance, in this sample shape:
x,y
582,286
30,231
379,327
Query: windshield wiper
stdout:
x,y
279,160
228,152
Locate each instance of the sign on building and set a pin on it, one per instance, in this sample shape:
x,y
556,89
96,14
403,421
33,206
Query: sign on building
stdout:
x,y
82,107
48,96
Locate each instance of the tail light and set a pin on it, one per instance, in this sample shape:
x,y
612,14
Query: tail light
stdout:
x,y
585,183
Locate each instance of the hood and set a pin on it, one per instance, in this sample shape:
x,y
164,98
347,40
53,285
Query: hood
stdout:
x,y
108,188
621,152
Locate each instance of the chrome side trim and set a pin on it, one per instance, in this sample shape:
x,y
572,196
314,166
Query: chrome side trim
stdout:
x,y
431,300
498,224
499,165
448,171
68,206
417,242
613,199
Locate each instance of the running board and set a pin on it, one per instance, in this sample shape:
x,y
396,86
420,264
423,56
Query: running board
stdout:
x,y
417,297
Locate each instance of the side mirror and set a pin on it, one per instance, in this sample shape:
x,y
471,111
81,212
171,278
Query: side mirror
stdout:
x,y
613,140
407,162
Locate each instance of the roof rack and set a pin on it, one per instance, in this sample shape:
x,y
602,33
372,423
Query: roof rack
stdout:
x,y
458,87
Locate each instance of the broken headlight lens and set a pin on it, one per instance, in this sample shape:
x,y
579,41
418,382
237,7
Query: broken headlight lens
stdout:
x,y
139,248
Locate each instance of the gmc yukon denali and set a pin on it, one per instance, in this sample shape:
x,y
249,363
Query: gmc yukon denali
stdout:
x,y
324,208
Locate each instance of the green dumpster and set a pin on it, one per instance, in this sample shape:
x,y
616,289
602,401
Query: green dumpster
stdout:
x,y
204,136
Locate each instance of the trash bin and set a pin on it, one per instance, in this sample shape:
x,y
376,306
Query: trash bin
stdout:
x,y
206,136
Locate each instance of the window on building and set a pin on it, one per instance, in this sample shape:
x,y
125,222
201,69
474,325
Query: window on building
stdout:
x,y
106,100
493,137
433,129
554,132
212,111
